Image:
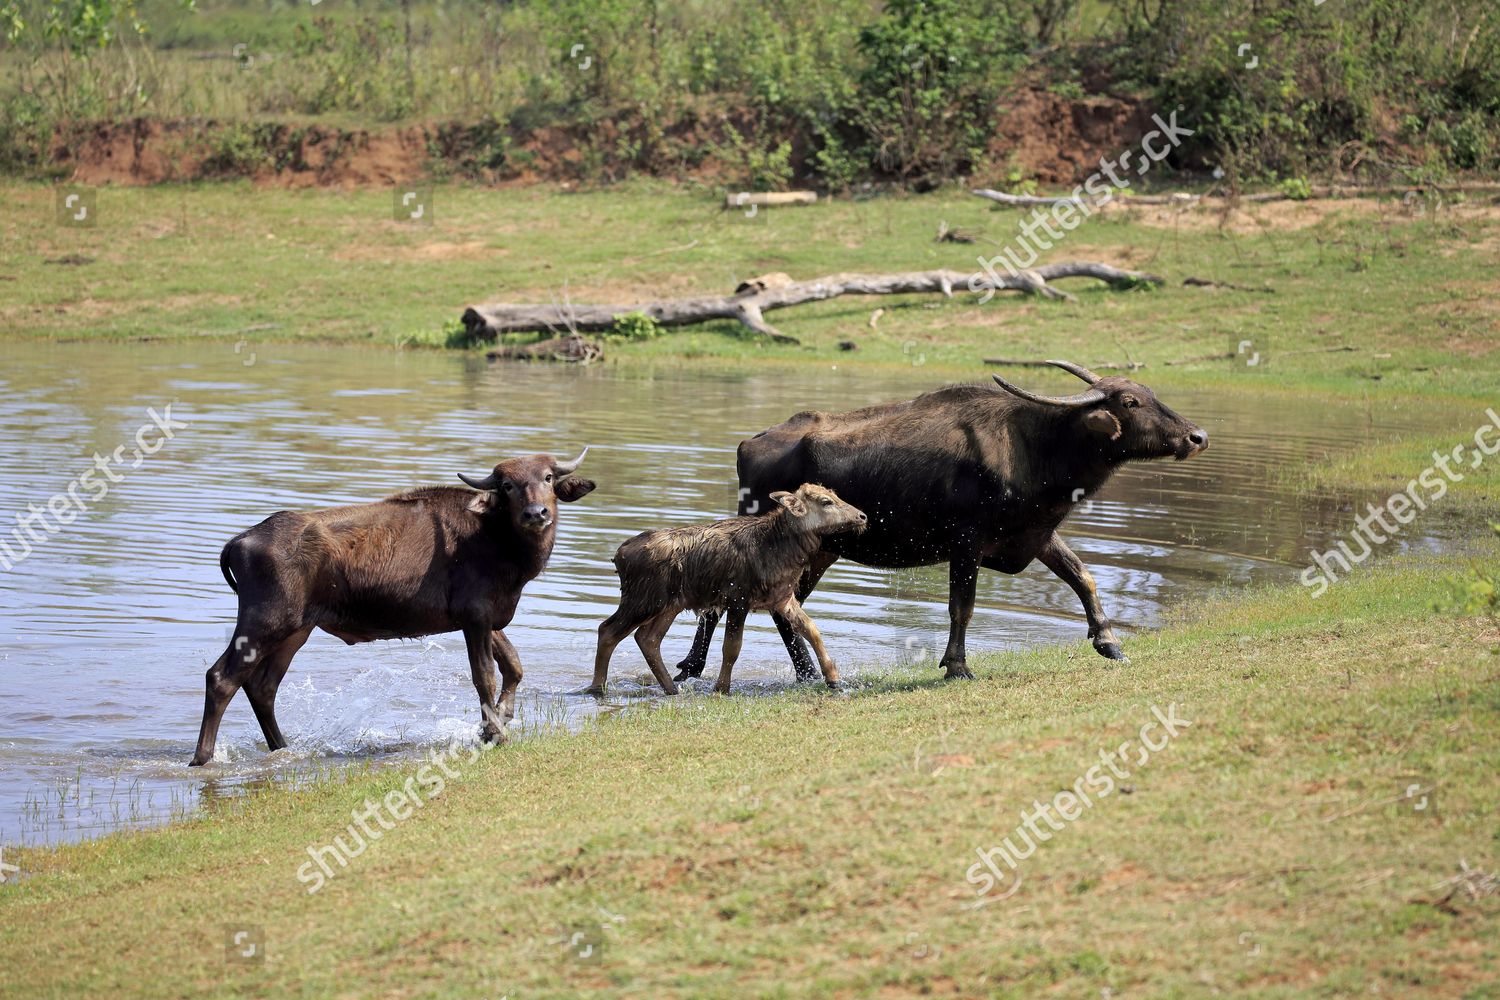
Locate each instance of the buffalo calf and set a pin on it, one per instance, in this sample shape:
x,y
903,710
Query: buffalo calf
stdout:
x,y
739,565
431,560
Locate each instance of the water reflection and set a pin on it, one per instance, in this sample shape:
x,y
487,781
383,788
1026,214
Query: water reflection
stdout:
x,y
108,625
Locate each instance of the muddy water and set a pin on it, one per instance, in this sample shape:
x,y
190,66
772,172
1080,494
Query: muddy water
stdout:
x,y
107,626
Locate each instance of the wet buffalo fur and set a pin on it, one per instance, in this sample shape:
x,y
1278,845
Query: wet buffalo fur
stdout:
x,y
739,565
969,475
430,560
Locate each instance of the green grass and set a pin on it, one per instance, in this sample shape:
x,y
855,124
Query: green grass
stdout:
x,y
1413,297
808,845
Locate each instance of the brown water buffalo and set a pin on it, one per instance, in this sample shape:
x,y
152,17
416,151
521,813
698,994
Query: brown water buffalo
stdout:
x,y
970,475
742,564
430,560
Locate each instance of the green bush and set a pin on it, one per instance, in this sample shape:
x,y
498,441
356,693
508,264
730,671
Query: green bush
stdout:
x,y
1472,143
933,69
1296,188
832,91
236,149
635,326
1476,593
353,66
754,167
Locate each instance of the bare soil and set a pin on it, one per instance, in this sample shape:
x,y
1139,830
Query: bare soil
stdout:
x,y
1052,139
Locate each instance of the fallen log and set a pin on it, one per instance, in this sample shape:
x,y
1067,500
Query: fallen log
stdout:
x,y
1049,201
1182,198
744,199
487,322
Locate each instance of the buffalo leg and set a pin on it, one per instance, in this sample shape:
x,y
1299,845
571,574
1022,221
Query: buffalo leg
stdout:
x,y
798,619
696,661
509,663
482,668
692,665
261,687
963,573
802,662
649,637
224,678
612,632
734,635
1070,569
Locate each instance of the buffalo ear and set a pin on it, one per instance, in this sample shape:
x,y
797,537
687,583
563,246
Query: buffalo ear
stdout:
x,y
570,488
790,501
482,502
1101,421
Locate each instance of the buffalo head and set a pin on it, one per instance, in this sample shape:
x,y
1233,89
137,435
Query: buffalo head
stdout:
x,y
821,511
1125,417
529,488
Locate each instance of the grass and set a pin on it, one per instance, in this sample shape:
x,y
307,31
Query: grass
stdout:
x,y
1413,296
811,845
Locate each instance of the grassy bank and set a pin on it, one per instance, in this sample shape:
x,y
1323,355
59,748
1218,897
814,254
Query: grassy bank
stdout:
x,y
1364,297
808,845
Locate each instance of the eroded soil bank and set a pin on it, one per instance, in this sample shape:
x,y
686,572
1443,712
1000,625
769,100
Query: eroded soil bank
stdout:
x,y
1039,134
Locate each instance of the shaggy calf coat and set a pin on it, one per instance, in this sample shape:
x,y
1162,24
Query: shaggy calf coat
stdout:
x,y
739,565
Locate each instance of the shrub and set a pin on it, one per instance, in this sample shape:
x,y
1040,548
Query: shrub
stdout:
x,y
635,326
933,69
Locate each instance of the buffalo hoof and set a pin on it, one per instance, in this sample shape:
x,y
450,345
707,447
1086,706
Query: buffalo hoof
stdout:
x,y
686,671
1111,651
958,672
595,690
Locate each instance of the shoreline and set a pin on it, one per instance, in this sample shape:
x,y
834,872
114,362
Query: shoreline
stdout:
x,y
906,737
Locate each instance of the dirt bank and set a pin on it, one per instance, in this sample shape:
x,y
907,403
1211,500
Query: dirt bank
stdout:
x,y
1052,139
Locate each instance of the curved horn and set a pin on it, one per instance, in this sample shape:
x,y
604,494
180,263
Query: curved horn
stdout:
x,y
487,484
568,468
1078,370
1081,399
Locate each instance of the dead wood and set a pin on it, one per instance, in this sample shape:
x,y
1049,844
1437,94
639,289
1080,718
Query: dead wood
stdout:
x,y
768,292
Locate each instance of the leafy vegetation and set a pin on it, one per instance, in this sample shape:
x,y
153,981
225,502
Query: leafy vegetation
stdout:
x,y
636,326
831,92
1477,592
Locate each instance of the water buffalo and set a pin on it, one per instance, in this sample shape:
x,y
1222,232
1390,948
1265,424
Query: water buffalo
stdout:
x,y
741,564
430,560
970,475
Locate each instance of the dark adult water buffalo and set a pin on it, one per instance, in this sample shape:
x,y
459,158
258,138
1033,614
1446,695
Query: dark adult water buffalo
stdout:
x,y
430,560
968,475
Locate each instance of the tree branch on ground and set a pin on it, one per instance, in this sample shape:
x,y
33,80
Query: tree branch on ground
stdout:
x,y
1317,193
760,296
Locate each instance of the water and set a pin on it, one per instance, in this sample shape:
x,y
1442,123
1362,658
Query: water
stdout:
x,y
107,627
